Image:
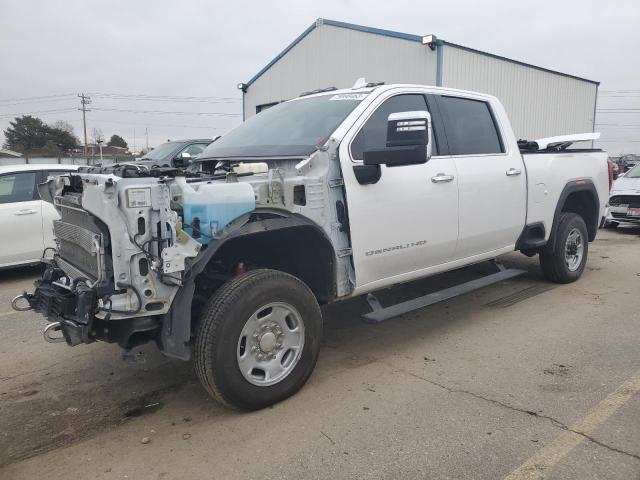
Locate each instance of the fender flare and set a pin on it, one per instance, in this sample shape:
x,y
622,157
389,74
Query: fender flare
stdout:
x,y
176,323
573,187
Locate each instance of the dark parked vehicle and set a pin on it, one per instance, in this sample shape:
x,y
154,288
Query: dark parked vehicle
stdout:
x,y
175,154
627,162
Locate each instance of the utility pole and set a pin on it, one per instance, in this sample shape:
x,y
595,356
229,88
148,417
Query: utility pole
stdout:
x,y
84,101
146,134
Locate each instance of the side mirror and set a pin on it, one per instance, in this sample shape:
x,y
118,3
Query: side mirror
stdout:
x,y
182,160
408,141
615,175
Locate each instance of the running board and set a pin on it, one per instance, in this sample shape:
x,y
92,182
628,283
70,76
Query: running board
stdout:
x,y
380,313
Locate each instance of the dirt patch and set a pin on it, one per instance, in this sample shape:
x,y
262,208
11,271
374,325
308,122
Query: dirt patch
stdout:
x,y
38,420
558,370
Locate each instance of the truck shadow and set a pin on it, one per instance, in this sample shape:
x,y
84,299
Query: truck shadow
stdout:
x,y
19,273
627,230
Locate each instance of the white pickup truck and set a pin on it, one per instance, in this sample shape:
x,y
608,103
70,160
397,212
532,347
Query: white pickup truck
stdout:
x,y
364,188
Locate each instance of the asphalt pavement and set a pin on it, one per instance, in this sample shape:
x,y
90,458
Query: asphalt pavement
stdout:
x,y
521,380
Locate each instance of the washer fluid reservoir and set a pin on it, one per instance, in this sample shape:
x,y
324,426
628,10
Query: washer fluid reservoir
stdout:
x,y
209,207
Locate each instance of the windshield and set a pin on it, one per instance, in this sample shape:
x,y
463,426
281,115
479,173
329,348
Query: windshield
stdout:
x,y
290,128
161,152
633,173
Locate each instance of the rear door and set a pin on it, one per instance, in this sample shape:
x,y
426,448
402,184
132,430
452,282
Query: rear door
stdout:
x,y
408,220
491,179
20,219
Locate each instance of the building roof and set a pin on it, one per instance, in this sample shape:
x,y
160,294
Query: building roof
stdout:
x,y
403,36
9,153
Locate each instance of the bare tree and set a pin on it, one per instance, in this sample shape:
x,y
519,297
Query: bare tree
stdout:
x,y
97,135
64,126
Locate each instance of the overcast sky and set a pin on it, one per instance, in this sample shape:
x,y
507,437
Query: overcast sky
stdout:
x,y
204,48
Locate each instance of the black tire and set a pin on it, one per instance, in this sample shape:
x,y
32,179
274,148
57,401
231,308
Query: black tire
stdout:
x,y
552,258
221,325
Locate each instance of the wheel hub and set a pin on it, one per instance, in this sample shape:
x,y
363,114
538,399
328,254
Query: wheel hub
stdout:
x,y
574,250
270,344
267,341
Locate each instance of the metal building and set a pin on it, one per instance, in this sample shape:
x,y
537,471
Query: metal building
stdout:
x,y
540,102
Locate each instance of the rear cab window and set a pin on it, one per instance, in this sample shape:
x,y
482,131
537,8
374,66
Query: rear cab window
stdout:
x,y
470,126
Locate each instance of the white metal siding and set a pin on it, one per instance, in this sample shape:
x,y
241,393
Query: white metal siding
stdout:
x,y
335,56
539,103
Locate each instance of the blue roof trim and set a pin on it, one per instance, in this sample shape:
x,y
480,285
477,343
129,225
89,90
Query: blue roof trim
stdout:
x,y
403,36
517,62
376,31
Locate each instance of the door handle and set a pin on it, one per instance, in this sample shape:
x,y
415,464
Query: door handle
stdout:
x,y
441,178
25,212
513,172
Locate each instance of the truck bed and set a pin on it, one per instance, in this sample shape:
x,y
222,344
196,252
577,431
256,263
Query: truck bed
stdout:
x,y
548,172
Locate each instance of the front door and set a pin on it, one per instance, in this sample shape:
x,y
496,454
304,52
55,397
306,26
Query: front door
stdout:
x,y
408,220
20,218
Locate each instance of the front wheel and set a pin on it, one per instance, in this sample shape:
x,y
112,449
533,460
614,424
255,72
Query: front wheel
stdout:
x,y
258,339
564,261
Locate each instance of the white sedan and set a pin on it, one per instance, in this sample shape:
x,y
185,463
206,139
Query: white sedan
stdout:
x,y
26,222
624,199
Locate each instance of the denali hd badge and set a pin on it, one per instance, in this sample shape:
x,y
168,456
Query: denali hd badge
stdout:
x,y
403,246
138,197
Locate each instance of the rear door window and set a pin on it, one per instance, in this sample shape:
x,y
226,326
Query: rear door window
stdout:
x,y
469,126
195,149
17,187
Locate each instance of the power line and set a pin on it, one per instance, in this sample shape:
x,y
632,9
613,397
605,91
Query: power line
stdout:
x,y
176,98
40,112
162,125
27,102
169,100
18,99
167,112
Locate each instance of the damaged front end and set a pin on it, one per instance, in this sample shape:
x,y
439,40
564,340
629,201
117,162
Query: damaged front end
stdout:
x,y
121,255
74,312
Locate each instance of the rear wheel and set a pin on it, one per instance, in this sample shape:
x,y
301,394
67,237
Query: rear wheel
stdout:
x,y
564,261
258,339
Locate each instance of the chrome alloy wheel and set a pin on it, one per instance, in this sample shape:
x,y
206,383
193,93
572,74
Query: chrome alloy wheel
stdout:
x,y
270,344
574,250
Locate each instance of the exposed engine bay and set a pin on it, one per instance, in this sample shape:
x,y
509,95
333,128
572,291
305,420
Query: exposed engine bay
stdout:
x,y
130,238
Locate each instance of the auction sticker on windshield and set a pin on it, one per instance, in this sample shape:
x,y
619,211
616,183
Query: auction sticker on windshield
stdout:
x,y
349,96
